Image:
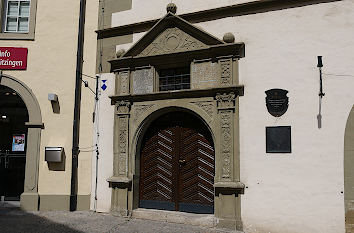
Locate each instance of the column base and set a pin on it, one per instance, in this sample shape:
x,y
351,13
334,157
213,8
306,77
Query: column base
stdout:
x,y
29,201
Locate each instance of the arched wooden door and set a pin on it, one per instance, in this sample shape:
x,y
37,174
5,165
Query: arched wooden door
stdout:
x,y
177,165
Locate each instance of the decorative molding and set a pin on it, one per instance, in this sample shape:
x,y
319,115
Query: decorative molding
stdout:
x,y
226,100
123,107
172,40
226,142
181,94
140,109
124,83
226,72
207,106
236,50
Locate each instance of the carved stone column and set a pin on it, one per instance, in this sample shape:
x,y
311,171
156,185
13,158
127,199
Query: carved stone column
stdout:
x,y
227,185
120,181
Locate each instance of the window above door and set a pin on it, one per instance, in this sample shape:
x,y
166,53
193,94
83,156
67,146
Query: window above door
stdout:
x,y
174,79
17,19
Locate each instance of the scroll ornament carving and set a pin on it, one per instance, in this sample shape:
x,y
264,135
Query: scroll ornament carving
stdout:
x,y
172,40
124,83
226,143
207,106
123,107
225,72
123,145
140,109
226,100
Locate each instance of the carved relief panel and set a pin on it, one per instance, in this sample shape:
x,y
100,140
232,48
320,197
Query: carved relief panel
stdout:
x,y
122,80
225,72
226,108
143,81
172,40
204,75
122,146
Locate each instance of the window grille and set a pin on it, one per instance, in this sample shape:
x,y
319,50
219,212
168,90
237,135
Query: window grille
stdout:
x,y
174,79
17,13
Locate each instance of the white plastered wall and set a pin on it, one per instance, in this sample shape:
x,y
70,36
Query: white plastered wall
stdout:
x,y
300,191
103,137
140,13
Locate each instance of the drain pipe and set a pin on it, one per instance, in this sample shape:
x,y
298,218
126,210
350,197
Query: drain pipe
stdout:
x,y
77,106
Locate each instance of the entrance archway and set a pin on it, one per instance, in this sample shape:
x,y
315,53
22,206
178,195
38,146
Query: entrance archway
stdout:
x,y
13,135
29,197
177,165
349,173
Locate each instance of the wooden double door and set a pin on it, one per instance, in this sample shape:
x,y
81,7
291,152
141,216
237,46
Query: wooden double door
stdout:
x,y
177,165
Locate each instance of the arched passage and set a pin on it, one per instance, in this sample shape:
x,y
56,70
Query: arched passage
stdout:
x,y
29,198
177,164
13,137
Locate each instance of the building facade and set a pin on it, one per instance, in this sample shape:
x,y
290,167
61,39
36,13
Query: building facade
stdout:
x,y
217,107
37,102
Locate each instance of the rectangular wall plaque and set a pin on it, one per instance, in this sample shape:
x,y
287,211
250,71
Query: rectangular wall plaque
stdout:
x,y
278,139
12,58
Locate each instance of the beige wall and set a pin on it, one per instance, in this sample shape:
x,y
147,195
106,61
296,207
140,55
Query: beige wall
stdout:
x,y
51,69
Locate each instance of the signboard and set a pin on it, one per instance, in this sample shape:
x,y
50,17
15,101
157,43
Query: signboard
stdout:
x,y
13,58
18,142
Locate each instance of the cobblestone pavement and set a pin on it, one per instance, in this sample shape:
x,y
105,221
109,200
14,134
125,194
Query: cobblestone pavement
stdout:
x,y
13,220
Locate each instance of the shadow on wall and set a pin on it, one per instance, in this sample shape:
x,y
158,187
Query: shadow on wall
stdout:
x,y
14,220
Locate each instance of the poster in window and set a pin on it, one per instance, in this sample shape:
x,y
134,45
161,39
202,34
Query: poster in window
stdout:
x,y
18,142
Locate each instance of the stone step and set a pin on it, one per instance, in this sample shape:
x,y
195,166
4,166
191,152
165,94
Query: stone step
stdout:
x,y
200,220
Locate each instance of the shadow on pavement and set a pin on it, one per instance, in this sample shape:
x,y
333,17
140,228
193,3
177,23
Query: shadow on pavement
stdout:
x,y
14,220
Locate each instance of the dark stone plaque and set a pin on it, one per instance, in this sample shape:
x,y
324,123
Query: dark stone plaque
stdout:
x,y
278,139
277,101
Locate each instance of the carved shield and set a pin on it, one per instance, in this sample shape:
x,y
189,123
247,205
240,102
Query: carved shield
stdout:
x,y
277,102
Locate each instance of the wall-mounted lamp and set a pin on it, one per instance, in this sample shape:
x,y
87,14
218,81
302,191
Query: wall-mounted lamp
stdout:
x,y
53,98
320,65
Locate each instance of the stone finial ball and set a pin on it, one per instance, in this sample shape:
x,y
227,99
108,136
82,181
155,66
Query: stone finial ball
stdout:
x,y
229,38
171,7
120,53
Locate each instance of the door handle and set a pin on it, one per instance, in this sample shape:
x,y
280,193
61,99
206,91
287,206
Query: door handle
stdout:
x,y
182,161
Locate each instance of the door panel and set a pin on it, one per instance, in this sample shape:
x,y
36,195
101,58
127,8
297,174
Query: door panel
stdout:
x,y
12,175
196,191
177,166
156,182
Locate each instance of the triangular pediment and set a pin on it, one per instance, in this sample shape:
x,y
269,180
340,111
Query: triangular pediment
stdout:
x,y
172,34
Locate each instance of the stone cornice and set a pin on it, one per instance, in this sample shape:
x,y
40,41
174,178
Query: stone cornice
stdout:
x,y
237,50
253,7
188,93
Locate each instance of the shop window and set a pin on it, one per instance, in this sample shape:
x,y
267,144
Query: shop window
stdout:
x,y
174,79
18,18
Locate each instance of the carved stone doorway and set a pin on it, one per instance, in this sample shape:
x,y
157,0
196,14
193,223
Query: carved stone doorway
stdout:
x,y
177,165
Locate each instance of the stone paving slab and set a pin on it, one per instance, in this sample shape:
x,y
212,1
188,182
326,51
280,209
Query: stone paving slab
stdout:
x,y
13,220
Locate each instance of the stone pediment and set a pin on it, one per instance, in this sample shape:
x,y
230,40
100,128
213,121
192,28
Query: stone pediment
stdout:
x,y
172,40
172,34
